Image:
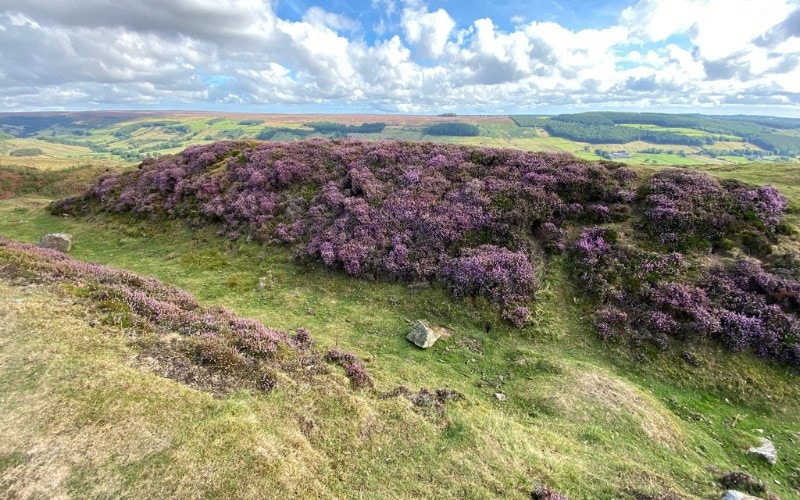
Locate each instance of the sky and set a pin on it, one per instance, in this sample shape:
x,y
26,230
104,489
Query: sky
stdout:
x,y
402,56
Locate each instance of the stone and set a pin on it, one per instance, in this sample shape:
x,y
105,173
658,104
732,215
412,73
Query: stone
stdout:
x,y
57,241
500,397
737,495
421,335
766,451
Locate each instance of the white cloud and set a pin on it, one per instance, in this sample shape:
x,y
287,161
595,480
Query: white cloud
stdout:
x,y
717,28
427,31
318,16
152,53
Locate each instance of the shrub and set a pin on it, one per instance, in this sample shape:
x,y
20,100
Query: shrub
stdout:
x,y
504,277
464,216
389,209
353,368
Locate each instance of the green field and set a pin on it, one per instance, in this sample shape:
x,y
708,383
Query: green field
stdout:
x,y
128,137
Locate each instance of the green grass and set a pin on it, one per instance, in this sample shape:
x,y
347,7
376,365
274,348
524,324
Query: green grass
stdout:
x,y
581,417
82,418
668,159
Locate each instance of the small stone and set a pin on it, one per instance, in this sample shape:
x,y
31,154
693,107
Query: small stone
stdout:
x,y
737,495
57,241
262,283
421,335
500,396
767,451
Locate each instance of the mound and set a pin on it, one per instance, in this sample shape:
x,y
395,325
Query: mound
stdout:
x,y
391,210
474,219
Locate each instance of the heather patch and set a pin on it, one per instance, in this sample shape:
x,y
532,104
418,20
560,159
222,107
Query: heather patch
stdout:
x,y
651,298
208,348
687,209
415,212
475,220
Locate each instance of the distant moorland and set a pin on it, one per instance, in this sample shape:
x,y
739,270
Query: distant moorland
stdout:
x,y
633,138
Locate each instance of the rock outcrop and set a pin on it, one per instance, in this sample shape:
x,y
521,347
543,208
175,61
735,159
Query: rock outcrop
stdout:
x,y
422,335
57,241
766,451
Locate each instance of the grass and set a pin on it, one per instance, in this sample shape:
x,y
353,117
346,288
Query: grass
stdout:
x,y
84,417
570,399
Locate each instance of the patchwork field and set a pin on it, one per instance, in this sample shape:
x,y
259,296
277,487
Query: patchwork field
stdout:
x,y
61,139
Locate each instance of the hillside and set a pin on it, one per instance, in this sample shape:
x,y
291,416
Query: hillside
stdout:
x,y
641,335
55,140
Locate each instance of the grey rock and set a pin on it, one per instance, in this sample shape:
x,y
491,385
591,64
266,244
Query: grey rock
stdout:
x,y
500,397
767,451
737,495
57,241
421,335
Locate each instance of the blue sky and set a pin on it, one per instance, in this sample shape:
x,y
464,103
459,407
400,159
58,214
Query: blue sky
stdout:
x,y
402,56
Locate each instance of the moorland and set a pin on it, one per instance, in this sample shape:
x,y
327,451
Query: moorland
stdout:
x,y
616,294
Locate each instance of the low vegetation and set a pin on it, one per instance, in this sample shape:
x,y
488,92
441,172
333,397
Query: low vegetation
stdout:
x,y
26,152
223,351
620,128
464,217
607,331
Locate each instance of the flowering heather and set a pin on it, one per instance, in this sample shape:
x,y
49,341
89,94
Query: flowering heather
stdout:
x,y
223,341
390,209
552,238
688,209
500,275
544,492
353,368
763,204
652,297
465,216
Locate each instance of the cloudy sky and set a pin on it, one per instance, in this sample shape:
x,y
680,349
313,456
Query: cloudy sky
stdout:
x,y
407,56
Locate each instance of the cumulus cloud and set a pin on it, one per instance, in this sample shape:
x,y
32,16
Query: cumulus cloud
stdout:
x,y
318,16
405,56
427,31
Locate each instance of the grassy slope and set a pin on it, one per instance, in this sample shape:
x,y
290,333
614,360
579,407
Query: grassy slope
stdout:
x,y
579,416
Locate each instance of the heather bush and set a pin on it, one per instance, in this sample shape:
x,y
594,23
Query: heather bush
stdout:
x,y
685,209
611,322
218,339
552,238
353,368
464,216
544,492
762,204
652,298
389,209
688,209
502,276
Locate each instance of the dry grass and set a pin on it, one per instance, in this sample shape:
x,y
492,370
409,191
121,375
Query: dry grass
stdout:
x,y
621,402
53,163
